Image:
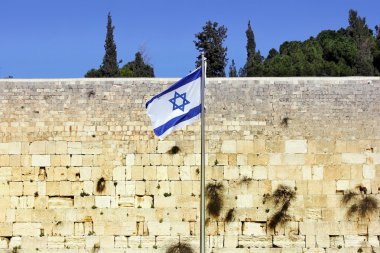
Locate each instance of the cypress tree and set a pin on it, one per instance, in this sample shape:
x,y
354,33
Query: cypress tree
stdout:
x,y
110,67
253,66
232,71
210,41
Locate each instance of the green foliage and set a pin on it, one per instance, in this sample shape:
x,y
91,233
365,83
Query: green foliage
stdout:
x,y
232,71
94,73
345,52
110,67
210,41
137,68
253,65
362,35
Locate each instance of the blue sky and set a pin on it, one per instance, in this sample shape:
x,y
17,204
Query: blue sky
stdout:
x,y
64,39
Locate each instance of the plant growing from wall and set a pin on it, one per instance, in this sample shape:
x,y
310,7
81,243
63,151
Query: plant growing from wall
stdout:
x,y
230,215
360,204
214,194
180,248
101,185
174,150
281,198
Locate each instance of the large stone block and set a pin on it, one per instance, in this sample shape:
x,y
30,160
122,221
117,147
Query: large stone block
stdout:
x,y
41,160
296,146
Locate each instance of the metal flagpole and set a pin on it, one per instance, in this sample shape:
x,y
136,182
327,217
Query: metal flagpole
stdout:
x,y
203,160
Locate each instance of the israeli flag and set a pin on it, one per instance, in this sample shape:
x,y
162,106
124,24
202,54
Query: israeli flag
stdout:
x,y
177,106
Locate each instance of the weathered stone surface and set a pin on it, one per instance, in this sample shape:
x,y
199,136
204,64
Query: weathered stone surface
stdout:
x,y
319,136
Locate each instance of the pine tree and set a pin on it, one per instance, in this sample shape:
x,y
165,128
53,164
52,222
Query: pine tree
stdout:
x,y
137,68
210,41
232,71
362,35
110,67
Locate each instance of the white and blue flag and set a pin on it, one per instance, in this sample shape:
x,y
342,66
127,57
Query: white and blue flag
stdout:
x,y
177,106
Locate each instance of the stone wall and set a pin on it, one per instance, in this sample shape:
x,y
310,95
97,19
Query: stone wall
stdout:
x,y
80,169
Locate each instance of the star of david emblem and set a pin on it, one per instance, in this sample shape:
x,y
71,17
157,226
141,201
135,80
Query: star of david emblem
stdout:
x,y
184,101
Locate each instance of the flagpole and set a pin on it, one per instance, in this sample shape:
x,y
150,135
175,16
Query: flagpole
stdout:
x,y
203,160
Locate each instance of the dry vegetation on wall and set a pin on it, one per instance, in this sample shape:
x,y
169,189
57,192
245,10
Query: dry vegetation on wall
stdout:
x,y
360,205
214,194
180,248
282,198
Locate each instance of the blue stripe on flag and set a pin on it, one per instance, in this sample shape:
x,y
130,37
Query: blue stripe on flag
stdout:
x,y
187,79
175,121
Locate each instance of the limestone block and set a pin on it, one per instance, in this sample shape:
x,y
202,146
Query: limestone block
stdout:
x,y
164,146
296,146
307,228
294,159
354,241
5,173
11,148
185,173
291,241
103,201
41,160
180,228
254,228
5,229
56,242
336,241
317,172
150,173
26,229
85,173
342,185
126,201
4,243
369,172
159,228
215,241
119,173
231,172
61,147
240,159
121,242
260,173
322,240
255,241
244,147
162,173
38,148
15,242
143,201
353,158
75,242
121,228
130,159
134,242
60,202
244,201
76,160
228,146
74,147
